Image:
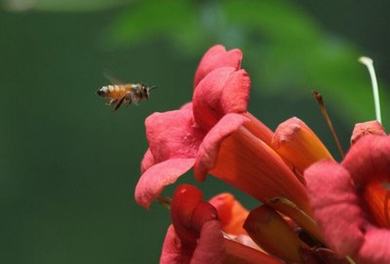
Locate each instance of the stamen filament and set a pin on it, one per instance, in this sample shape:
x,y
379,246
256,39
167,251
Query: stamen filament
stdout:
x,y
326,116
165,201
350,260
370,66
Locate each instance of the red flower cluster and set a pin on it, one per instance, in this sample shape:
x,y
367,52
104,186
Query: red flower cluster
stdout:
x,y
215,134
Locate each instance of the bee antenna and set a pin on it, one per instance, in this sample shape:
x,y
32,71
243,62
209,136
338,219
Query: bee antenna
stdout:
x,y
153,87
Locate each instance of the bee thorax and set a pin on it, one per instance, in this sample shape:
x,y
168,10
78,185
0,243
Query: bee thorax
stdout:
x,y
135,86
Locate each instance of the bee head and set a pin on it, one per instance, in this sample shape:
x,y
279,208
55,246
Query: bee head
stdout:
x,y
102,91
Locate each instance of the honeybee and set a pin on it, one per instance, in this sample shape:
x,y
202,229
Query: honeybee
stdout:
x,y
118,94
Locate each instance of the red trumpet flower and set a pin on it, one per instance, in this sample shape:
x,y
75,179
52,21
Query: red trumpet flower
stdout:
x,y
350,200
215,134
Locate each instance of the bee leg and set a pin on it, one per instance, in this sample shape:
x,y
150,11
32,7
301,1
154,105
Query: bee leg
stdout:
x,y
111,101
134,99
119,103
127,101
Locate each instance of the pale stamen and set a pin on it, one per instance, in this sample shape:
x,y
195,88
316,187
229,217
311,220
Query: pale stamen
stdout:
x,y
370,66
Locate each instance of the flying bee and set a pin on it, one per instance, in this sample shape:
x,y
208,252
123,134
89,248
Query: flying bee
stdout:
x,y
118,94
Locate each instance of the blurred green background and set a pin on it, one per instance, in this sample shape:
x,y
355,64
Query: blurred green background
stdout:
x,y
68,164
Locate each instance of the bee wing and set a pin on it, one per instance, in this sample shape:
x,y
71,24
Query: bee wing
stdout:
x,y
112,79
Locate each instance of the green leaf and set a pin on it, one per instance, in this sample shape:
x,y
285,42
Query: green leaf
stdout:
x,y
286,51
296,54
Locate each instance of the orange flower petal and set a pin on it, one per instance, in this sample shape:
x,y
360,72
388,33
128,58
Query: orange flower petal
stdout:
x,y
377,197
208,150
230,212
272,233
298,144
239,254
258,128
301,218
247,163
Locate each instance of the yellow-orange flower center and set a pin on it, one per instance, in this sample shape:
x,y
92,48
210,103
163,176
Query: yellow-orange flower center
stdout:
x,y
377,198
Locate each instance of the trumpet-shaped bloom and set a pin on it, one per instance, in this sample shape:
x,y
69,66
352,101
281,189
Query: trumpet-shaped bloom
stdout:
x,y
345,200
174,137
195,235
216,134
